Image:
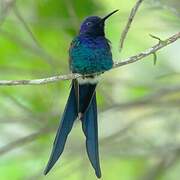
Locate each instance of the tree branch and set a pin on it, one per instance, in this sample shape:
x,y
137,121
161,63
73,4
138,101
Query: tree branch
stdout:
x,y
128,25
127,61
164,163
24,140
7,5
149,51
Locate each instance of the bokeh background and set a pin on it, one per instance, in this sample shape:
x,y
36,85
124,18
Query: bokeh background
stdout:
x,y
139,104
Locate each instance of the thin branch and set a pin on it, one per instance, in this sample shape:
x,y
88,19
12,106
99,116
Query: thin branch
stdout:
x,y
7,5
162,165
149,51
24,140
127,61
128,25
39,81
155,58
155,99
155,37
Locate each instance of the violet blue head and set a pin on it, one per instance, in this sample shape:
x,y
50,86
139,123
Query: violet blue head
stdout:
x,y
94,25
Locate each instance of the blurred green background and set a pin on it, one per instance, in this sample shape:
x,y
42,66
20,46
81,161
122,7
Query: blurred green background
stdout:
x,y
139,104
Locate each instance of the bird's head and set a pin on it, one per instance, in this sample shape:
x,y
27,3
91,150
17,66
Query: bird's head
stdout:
x,y
94,25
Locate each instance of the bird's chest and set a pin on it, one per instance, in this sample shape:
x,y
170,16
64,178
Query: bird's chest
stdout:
x,y
90,56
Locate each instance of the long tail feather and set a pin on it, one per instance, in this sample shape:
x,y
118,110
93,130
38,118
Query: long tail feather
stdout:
x,y
90,129
69,116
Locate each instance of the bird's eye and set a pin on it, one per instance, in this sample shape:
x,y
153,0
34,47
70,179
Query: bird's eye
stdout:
x,y
89,23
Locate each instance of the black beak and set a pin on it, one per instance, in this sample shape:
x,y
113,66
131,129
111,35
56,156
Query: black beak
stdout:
x,y
110,14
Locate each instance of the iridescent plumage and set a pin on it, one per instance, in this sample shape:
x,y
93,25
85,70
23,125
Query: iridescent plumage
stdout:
x,y
89,53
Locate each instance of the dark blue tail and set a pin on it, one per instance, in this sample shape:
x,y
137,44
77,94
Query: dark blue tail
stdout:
x,y
69,116
88,106
82,99
90,129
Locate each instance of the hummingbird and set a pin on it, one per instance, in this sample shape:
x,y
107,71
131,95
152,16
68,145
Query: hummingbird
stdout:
x,y
89,55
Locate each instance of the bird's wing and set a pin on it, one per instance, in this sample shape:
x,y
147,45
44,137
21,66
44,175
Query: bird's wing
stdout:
x,y
69,116
74,44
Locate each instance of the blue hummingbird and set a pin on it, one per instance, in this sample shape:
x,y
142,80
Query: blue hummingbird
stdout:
x,y
89,55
